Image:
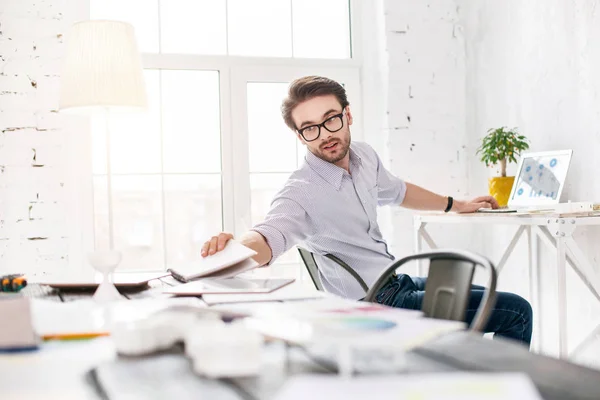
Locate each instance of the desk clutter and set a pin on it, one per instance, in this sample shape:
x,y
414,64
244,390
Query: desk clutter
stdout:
x,y
216,349
163,345
206,330
12,283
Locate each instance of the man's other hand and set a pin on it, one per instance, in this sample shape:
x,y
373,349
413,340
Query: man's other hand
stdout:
x,y
464,207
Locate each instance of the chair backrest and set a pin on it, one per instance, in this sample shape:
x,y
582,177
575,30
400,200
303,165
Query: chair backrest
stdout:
x,y
447,289
313,269
448,285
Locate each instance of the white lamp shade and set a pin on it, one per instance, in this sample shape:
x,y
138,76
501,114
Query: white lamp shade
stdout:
x,y
102,69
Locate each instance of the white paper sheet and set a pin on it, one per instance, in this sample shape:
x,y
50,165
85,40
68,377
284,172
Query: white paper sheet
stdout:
x,y
392,331
290,292
439,386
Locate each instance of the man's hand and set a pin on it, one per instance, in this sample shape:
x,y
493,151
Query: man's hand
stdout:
x,y
464,207
216,244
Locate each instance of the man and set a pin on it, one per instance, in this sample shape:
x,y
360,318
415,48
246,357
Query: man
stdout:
x,y
330,205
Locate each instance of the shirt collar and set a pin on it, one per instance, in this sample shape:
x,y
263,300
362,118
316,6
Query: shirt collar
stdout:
x,y
329,171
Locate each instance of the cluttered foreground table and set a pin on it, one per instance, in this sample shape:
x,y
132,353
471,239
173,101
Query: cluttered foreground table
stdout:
x,y
415,360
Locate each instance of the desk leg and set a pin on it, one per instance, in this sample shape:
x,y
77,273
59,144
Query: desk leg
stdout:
x,y
561,264
535,293
419,245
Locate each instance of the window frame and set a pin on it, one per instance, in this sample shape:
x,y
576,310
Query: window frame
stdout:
x,y
234,73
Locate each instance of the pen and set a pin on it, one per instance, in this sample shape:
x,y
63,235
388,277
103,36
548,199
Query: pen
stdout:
x,y
74,336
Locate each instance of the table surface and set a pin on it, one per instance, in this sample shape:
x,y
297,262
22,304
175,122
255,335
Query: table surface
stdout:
x,y
587,218
62,369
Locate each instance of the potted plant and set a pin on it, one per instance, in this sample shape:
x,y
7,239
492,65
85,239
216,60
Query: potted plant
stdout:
x,y
499,147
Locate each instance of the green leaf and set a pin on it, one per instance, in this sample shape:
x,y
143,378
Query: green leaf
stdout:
x,y
501,143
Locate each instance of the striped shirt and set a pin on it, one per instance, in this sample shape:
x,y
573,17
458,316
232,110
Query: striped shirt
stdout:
x,y
330,211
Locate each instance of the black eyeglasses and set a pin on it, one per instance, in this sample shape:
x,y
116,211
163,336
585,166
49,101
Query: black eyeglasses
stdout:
x,y
332,124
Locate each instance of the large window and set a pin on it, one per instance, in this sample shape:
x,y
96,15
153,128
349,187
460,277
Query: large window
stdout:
x,y
212,148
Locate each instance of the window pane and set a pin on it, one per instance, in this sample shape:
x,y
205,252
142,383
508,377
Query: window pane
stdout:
x,y
137,214
142,14
134,137
100,213
193,26
260,28
272,145
301,153
321,28
191,121
192,214
263,187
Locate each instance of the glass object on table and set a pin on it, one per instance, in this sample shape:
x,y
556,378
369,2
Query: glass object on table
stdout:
x,y
105,262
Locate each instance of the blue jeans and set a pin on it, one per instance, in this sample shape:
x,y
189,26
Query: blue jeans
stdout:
x,y
510,318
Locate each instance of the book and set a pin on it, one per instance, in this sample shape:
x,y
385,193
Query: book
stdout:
x,y
234,259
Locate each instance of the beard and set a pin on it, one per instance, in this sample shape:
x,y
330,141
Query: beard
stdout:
x,y
342,148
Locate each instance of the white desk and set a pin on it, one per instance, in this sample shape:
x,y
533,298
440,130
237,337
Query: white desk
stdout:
x,y
59,369
556,232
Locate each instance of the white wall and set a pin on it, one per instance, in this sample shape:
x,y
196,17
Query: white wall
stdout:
x,y
474,65
37,200
428,141
536,65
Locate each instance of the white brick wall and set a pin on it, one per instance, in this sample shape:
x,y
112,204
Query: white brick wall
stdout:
x,y
428,142
35,193
536,65
460,67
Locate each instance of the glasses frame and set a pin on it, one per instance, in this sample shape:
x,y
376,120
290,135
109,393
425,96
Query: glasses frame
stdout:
x,y
322,125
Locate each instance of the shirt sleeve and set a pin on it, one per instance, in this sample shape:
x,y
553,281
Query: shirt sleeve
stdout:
x,y
390,189
285,225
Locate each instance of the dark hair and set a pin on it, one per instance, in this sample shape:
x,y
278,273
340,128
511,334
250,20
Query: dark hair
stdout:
x,y
306,88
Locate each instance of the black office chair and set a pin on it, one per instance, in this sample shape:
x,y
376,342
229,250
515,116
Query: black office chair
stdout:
x,y
448,283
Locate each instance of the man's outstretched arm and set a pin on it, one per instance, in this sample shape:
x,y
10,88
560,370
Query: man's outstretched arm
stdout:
x,y
418,198
285,225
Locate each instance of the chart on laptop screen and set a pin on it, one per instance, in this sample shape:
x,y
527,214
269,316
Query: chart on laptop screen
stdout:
x,y
541,176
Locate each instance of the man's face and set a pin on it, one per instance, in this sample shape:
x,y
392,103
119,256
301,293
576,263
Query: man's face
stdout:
x,y
329,146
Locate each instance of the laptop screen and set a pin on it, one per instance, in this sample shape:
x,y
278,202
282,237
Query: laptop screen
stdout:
x,y
541,178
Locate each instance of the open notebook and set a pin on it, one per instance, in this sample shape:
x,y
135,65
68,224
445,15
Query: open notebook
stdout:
x,y
234,259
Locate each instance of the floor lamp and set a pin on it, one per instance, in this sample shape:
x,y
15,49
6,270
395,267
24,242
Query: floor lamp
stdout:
x,y
102,74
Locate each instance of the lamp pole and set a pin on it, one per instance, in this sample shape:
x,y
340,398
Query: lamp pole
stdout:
x,y
109,194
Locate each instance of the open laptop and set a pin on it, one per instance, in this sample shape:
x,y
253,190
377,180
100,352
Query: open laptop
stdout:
x,y
539,182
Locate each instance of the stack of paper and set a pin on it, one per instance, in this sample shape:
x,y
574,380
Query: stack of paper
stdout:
x,y
85,318
231,261
353,324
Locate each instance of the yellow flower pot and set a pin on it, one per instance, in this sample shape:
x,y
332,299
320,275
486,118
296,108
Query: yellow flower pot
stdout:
x,y
500,187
